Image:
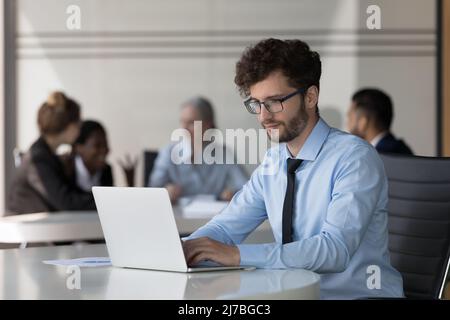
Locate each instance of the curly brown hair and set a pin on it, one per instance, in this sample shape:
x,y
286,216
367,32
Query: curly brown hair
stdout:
x,y
294,58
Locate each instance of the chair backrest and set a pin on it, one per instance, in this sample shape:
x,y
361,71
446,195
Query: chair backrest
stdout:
x,y
149,162
419,222
18,156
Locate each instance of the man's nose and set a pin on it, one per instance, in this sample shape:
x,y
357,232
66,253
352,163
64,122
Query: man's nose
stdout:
x,y
264,115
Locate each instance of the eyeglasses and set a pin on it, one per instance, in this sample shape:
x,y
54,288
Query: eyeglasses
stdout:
x,y
272,105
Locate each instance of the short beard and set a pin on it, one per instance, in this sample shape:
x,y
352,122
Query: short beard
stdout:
x,y
294,127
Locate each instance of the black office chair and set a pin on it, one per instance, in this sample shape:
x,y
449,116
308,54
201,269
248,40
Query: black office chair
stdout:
x,y
149,162
419,222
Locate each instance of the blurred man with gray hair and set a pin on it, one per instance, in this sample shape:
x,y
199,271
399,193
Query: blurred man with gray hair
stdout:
x,y
191,177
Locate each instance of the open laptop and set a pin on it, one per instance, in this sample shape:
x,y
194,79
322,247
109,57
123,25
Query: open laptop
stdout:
x,y
140,230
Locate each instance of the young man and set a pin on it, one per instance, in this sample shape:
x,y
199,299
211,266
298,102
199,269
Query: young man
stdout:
x,y
370,117
326,203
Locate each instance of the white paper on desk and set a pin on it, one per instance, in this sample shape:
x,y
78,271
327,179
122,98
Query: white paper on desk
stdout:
x,y
82,262
203,207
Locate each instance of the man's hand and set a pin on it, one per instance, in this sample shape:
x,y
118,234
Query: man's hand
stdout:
x,y
174,192
200,249
128,166
226,195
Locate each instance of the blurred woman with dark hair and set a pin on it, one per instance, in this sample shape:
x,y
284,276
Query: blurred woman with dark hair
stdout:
x,y
91,149
41,182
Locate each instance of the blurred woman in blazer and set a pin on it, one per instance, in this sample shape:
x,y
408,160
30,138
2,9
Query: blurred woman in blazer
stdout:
x,y
41,182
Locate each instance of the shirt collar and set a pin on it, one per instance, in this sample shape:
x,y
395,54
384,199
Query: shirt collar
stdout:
x,y
378,138
313,143
81,168
84,179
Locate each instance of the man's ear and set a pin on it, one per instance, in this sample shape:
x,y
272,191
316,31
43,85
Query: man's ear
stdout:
x,y
311,97
363,123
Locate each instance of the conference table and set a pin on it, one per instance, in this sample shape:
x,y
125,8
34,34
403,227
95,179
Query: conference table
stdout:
x,y
66,226
23,275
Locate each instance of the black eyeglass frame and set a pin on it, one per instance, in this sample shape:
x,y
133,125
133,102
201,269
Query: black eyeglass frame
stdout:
x,y
280,100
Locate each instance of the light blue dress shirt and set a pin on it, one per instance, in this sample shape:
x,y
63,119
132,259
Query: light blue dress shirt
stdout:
x,y
195,179
339,220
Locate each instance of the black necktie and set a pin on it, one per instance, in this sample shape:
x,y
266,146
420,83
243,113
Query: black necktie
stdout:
x,y
288,205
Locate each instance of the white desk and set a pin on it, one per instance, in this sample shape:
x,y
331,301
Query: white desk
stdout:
x,y
85,225
24,276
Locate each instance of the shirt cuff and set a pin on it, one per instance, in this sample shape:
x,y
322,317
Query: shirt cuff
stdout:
x,y
252,255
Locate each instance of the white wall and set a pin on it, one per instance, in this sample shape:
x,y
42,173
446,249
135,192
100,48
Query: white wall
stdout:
x,y
132,63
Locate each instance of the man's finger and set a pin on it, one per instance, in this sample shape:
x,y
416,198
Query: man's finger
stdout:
x,y
202,256
195,242
196,246
195,249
